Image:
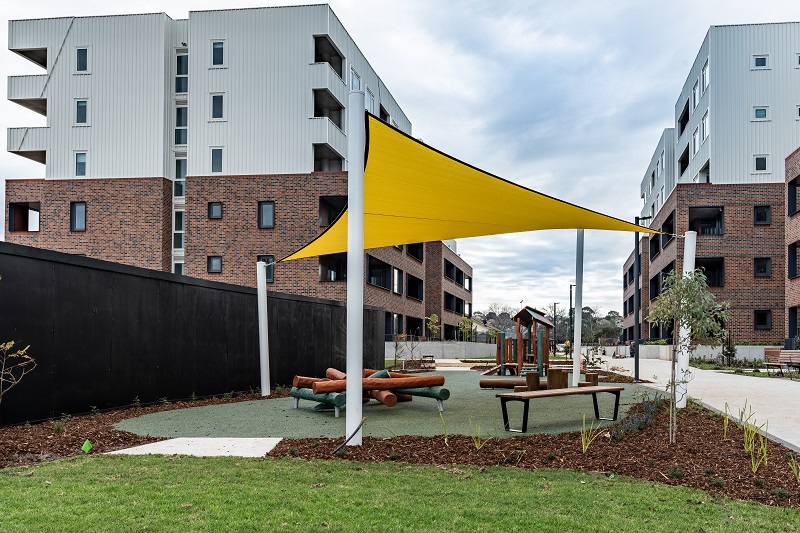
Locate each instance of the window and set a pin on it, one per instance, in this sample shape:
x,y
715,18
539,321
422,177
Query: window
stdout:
x,y
217,53
397,281
270,261
216,106
179,187
77,216
791,260
178,229
791,196
707,220
468,283
696,94
762,267
23,216
80,163
214,209
182,74
177,268
713,268
797,61
181,118
214,263
655,246
216,160
369,101
415,251
355,80
762,214
655,286
762,319
704,76
378,273
683,161
81,112
82,60
683,120
333,267
760,113
760,163
330,207
414,287
266,214
704,125
695,141
668,229
760,62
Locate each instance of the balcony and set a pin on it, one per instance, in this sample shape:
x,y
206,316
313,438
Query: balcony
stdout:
x,y
28,142
323,76
27,91
325,132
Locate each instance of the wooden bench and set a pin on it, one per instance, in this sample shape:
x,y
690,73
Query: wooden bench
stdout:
x,y
526,397
780,359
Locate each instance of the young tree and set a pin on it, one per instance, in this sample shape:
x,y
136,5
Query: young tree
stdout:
x,y
465,328
433,326
14,364
687,303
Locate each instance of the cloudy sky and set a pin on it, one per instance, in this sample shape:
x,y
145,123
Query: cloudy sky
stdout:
x,y
567,98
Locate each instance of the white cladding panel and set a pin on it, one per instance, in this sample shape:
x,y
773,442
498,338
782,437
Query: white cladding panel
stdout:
x,y
267,84
659,180
124,85
737,88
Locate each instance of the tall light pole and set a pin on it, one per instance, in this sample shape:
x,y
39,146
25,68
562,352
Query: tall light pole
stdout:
x,y
554,342
571,312
636,299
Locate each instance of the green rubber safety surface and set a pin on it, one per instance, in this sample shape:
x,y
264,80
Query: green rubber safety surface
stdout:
x,y
469,406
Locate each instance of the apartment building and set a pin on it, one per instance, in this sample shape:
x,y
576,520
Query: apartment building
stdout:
x,y
198,146
736,120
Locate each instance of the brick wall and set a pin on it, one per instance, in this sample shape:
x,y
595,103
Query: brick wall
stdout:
x,y
792,292
128,220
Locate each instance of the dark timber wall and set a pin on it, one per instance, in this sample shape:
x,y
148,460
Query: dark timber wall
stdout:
x,y
103,334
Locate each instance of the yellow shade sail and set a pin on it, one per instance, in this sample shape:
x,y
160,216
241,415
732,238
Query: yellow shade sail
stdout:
x,y
414,193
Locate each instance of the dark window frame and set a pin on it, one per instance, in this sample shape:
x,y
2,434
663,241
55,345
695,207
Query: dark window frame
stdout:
x,y
217,166
211,206
270,261
218,53
767,210
768,262
210,260
767,319
73,217
261,224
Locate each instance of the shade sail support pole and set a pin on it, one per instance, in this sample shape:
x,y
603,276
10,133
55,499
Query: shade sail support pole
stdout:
x,y
356,138
263,329
682,373
576,341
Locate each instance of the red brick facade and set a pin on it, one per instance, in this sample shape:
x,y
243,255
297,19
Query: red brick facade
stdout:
x,y
128,220
792,169
740,244
627,293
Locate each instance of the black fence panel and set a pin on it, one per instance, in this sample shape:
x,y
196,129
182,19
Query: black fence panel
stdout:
x,y
104,334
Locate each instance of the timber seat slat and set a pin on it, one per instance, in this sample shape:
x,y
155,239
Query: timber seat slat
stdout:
x,y
527,396
789,359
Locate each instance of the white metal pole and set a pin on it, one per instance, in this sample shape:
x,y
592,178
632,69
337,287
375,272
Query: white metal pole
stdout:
x,y
263,330
576,341
356,137
682,375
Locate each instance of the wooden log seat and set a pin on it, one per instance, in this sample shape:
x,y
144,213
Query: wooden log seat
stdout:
x,y
526,397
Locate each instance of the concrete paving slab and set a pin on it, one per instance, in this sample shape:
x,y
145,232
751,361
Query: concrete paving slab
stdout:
x,y
773,400
206,447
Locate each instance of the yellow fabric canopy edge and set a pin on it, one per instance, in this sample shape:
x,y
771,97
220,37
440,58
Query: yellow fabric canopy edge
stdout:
x,y
415,193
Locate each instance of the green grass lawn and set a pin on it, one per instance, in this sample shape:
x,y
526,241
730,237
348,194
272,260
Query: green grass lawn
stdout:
x,y
172,493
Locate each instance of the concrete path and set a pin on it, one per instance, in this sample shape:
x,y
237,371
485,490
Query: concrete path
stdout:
x,y
774,400
211,447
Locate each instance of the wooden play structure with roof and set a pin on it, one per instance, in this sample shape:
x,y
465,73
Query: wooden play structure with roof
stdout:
x,y
528,349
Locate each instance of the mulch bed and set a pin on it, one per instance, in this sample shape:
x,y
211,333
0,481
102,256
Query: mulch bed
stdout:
x,y
701,458
56,439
